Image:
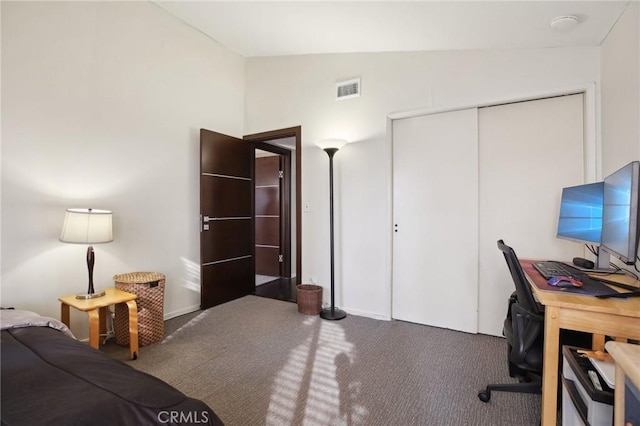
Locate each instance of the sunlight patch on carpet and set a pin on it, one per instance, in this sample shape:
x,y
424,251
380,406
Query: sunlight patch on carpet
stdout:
x,y
195,320
314,383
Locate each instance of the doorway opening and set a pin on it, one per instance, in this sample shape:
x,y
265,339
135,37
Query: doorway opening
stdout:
x,y
277,213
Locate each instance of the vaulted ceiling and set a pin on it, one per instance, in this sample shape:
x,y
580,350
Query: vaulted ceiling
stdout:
x,y
269,28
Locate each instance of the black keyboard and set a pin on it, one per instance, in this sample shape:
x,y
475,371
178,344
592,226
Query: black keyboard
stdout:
x,y
591,286
550,268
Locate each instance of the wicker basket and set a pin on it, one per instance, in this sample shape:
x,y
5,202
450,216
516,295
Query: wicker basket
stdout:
x,y
149,287
309,299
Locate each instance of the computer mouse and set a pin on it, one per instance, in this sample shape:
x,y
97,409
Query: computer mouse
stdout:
x,y
564,282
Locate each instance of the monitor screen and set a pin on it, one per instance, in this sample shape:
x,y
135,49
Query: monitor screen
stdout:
x,y
581,213
620,213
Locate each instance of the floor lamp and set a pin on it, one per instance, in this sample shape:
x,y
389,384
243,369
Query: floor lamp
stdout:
x,y
331,146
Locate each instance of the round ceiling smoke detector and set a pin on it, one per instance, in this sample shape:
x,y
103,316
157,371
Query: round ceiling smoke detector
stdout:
x,y
564,23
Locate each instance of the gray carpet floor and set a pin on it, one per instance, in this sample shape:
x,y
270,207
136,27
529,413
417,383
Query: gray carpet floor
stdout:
x,y
257,361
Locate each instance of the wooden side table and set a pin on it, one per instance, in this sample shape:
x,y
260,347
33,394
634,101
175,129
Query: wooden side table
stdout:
x,y
97,310
627,358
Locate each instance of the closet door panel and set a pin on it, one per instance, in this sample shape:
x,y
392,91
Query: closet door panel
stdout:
x,y
435,211
528,152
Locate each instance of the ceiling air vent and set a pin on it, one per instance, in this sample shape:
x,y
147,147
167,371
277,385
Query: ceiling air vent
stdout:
x,y
348,89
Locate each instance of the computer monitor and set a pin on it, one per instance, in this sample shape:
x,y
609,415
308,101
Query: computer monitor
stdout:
x,y
580,216
620,226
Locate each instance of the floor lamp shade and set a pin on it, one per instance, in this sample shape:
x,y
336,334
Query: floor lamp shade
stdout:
x,y
87,226
331,143
331,146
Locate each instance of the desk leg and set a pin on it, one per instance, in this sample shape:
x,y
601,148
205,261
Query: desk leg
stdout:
x,y
618,398
597,342
133,328
64,314
550,366
94,328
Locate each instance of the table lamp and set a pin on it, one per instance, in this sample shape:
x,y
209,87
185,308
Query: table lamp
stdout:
x,y
331,146
87,226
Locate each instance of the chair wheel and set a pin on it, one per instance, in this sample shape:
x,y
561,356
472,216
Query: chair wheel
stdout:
x,y
484,396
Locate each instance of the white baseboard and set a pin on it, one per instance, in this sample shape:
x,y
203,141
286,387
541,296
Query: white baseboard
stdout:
x,y
182,311
367,314
357,312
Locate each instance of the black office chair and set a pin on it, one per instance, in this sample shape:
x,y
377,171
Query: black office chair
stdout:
x,y
524,330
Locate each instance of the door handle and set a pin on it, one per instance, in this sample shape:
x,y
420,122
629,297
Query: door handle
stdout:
x,y
204,220
204,223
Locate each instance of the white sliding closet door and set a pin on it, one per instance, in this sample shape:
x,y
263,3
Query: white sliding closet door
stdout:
x,y
435,211
528,152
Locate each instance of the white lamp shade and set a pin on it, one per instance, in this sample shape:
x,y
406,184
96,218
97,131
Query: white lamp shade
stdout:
x,y
331,143
87,226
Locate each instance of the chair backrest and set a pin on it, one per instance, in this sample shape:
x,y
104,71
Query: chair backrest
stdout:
x,y
523,289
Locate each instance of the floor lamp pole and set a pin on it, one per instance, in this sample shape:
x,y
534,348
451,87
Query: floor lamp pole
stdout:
x,y
332,313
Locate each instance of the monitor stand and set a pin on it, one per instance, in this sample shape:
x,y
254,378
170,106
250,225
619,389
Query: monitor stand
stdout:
x,y
602,264
603,260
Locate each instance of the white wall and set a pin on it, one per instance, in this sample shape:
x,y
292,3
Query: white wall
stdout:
x,y
102,103
303,89
620,91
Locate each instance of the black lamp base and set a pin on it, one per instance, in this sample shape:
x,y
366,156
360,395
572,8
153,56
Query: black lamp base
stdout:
x,y
91,293
332,314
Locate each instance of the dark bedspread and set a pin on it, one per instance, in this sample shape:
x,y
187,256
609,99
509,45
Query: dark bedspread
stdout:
x,y
49,378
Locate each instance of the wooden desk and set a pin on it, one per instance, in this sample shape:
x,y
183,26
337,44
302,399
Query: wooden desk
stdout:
x,y
97,310
618,318
627,358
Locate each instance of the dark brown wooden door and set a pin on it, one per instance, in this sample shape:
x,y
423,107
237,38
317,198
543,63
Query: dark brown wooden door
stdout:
x,y
267,192
226,222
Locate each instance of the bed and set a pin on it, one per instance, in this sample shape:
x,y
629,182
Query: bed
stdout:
x,y
48,377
